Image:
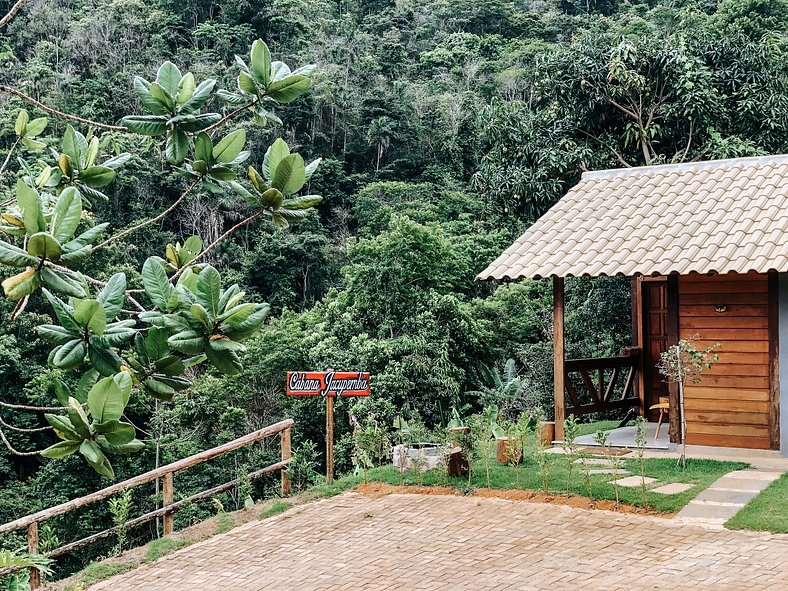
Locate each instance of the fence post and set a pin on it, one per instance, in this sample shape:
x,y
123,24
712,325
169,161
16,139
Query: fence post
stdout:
x,y
286,455
32,548
167,497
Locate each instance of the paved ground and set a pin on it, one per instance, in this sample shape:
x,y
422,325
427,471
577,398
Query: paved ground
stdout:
x,y
414,542
727,496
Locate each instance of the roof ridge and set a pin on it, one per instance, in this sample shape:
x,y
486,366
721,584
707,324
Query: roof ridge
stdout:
x,y
687,166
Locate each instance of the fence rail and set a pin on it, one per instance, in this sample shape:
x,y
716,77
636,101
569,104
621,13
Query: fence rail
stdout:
x,y
600,392
169,505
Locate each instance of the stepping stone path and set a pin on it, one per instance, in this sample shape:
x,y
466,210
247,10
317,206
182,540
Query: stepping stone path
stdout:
x,y
609,471
726,496
633,481
594,461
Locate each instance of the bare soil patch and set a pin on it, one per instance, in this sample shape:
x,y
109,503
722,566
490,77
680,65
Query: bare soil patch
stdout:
x,y
379,488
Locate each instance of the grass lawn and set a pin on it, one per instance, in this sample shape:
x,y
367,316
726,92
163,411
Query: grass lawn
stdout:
x,y
591,428
766,512
699,473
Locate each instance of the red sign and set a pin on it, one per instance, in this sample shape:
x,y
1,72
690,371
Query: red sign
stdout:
x,y
327,383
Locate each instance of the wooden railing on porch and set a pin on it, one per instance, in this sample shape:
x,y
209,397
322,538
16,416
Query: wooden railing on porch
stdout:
x,y
169,505
597,392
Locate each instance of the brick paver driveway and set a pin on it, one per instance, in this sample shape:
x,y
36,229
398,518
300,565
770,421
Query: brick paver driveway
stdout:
x,y
409,542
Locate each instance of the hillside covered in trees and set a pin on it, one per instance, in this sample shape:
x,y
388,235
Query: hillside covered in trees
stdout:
x,y
444,129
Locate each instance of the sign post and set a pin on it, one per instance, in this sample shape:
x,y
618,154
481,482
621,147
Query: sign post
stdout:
x,y
329,385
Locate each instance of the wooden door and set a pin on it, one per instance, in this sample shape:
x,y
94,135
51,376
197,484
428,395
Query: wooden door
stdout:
x,y
655,331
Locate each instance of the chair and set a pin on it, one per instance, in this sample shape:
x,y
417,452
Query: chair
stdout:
x,y
664,409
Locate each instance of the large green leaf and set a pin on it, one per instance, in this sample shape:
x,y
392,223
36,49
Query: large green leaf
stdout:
x,y
29,202
169,78
57,335
247,84
62,283
161,95
226,362
75,146
146,124
261,63
44,245
185,88
192,246
64,314
302,202
63,427
96,458
87,237
90,314
61,450
113,295
203,148
230,146
189,342
154,280
97,176
36,126
22,284
20,127
156,346
106,401
288,89
86,382
289,175
177,146
276,152
70,355
200,96
66,215
209,290
78,418
105,360
142,90
240,328
14,256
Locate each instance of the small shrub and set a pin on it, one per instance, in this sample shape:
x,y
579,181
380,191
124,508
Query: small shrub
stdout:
x,y
640,441
119,508
570,447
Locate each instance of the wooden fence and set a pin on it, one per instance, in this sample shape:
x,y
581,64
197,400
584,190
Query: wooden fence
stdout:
x,y
597,394
169,505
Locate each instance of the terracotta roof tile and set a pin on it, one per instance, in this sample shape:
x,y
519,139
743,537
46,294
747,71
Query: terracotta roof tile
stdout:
x,y
702,217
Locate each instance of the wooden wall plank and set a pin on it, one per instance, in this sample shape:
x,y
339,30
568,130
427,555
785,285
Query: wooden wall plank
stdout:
x,y
728,429
728,441
692,310
722,297
721,393
726,418
731,287
723,321
712,404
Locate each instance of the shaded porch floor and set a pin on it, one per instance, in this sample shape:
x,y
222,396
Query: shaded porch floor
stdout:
x,y
625,437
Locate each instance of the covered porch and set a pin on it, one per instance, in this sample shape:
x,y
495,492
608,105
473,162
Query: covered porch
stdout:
x,y
704,247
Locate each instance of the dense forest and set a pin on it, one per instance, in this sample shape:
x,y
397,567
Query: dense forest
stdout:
x,y
444,129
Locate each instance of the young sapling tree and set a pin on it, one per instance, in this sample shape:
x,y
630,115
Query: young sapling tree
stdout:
x,y
683,364
569,447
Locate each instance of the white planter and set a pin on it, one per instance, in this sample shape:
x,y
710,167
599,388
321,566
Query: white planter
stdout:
x,y
428,456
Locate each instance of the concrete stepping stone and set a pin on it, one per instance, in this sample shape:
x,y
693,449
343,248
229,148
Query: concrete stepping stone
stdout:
x,y
594,461
633,481
609,471
673,488
735,483
754,475
715,495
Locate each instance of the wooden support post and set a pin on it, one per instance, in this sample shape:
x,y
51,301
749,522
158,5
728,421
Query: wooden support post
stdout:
x,y
329,439
32,548
167,498
286,455
637,341
774,360
559,371
674,413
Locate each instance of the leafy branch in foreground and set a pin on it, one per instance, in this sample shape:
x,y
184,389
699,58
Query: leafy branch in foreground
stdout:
x,y
190,318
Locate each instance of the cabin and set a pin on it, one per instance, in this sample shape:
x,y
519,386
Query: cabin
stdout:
x,y
706,247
